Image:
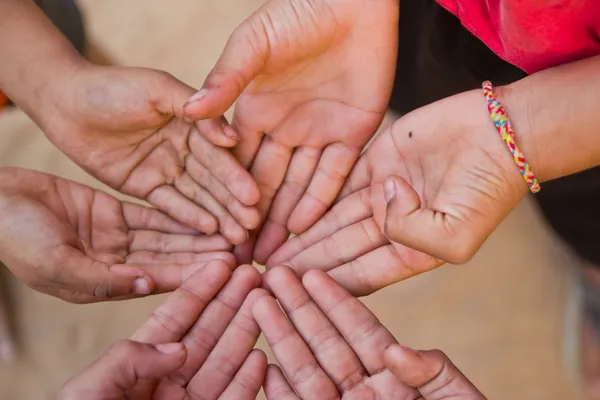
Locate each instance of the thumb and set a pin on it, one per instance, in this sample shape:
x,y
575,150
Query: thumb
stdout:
x,y
430,372
244,56
425,229
123,365
88,280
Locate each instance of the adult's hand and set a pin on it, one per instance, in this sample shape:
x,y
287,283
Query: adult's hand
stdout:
x,y
83,245
196,345
331,346
313,80
429,190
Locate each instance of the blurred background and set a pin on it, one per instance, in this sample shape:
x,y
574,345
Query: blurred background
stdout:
x,y
500,318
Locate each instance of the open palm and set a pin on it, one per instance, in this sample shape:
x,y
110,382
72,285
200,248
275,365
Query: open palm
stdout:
x,y
124,126
313,80
83,245
453,182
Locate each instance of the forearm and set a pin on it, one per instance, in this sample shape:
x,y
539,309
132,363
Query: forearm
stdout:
x,y
34,54
556,117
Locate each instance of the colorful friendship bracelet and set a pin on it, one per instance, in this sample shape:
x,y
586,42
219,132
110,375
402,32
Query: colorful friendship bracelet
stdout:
x,y
504,128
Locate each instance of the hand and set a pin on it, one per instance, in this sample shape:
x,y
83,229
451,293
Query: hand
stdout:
x,y
209,319
313,79
83,245
453,181
331,346
125,127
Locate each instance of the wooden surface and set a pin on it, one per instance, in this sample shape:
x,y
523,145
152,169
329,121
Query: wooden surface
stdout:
x,y
500,318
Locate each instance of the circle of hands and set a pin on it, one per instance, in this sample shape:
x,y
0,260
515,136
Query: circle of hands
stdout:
x,y
311,81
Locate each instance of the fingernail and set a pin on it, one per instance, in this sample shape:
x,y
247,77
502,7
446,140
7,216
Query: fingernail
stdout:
x,y
389,189
230,133
141,286
7,351
197,96
169,348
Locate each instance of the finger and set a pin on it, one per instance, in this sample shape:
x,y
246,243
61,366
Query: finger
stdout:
x,y
176,205
91,280
333,168
248,380
173,318
229,354
269,169
326,344
382,267
360,327
247,216
228,225
124,365
340,248
203,336
276,387
144,240
242,59
431,372
243,252
250,140
149,257
303,371
140,217
274,232
225,168
433,232
351,210
358,179
217,131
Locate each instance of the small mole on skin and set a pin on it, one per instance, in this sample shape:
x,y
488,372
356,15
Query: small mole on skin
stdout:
x,y
409,135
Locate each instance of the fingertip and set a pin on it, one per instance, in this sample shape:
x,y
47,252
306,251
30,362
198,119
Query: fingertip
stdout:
x,y
262,304
248,273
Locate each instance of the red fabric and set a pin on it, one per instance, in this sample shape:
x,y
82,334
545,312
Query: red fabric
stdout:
x,y
533,34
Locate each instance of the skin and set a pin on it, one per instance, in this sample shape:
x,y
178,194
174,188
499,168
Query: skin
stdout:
x,y
450,180
84,245
125,126
208,327
307,104
330,346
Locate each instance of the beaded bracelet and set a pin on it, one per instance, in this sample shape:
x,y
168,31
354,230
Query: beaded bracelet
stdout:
x,y
504,128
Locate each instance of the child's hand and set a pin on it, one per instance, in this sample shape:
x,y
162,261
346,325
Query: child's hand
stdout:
x,y
331,346
454,181
83,245
125,127
313,79
196,345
